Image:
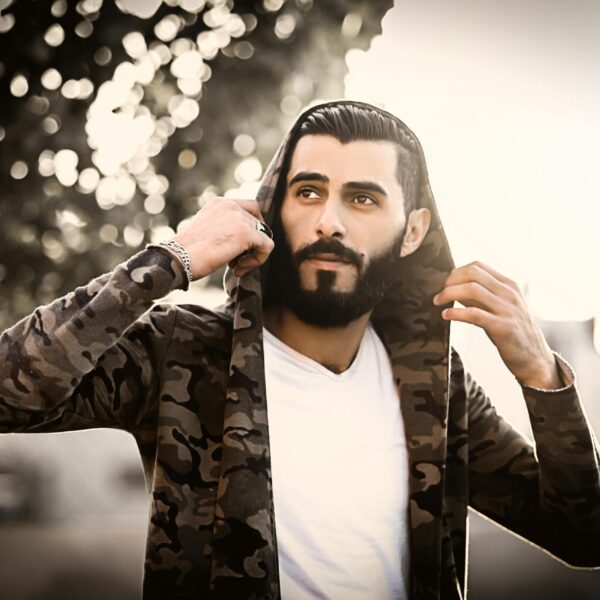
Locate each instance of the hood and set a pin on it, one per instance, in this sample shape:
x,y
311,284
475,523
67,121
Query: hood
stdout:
x,y
417,340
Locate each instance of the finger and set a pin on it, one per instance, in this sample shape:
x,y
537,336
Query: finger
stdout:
x,y
250,206
250,261
263,247
246,264
499,276
471,293
256,220
241,266
242,262
475,316
474,272
239,272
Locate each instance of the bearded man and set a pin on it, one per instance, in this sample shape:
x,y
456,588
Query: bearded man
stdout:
x,y
356,481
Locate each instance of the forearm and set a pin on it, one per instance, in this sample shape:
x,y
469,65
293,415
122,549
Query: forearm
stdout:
x,y
549,492
46,354
566,450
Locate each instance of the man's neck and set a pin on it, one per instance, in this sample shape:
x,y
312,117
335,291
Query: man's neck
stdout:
x,y
334,347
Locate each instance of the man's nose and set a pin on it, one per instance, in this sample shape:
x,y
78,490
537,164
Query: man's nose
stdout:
x,y
330,222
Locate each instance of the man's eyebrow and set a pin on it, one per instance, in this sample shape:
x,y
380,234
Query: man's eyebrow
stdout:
x,y
308,176
369,186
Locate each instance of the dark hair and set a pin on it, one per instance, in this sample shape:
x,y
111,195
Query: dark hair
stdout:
x,y
350,122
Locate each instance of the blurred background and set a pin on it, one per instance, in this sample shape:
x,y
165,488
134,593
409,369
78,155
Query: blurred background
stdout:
x,y
118,119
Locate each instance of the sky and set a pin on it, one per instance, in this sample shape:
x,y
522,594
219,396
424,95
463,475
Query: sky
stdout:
x,y
504,97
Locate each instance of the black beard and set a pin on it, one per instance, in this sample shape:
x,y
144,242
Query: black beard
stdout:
x,y
325,307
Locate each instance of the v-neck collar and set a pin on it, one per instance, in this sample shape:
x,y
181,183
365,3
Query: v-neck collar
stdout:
x,y
307,362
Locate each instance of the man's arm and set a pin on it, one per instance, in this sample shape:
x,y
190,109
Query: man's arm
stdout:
x,y
69,365
90,359
548,493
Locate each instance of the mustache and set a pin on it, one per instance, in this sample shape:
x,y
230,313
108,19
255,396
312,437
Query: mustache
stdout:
x,y
331,246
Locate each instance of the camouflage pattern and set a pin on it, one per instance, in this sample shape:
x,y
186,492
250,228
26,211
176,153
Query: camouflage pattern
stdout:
x,y
188,383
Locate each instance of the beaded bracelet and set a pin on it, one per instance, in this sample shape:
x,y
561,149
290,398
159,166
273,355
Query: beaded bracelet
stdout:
x,y
181,252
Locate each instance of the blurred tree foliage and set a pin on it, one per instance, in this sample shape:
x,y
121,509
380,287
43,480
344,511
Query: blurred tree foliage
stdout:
x,y
118,118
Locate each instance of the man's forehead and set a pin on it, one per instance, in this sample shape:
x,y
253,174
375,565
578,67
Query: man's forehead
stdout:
x,y
327,155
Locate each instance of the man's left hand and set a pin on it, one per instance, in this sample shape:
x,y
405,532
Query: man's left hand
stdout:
x,y
495,303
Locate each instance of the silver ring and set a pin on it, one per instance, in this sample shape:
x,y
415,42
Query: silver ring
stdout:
x,y
263,228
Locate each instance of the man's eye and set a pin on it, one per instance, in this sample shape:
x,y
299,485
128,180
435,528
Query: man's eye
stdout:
x,y
364,200
307,193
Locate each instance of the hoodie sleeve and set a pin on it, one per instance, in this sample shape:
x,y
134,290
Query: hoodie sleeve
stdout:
x,y
90,358
547,492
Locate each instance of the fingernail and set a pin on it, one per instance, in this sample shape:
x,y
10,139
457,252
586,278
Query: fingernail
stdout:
x,y
435,298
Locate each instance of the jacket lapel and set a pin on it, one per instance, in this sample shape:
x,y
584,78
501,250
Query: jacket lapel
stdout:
x,y
417,339
424,408
244,562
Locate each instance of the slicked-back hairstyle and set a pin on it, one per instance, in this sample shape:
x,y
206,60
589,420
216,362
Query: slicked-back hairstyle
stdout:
x,y
349,122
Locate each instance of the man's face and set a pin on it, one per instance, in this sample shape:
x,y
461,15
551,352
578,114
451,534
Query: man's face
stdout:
x,y
343,219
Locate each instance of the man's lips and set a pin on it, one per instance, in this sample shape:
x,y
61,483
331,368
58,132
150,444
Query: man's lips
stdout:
x,y
328,259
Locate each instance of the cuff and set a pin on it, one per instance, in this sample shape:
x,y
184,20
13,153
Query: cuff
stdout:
x,y
174,266
556,411
565,372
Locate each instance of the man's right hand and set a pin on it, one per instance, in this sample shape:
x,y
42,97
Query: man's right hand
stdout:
x,y
220,232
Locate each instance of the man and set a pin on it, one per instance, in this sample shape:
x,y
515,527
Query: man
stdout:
x,y
356,484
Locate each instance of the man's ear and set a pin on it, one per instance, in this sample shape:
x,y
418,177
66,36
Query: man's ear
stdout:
x,y
416,228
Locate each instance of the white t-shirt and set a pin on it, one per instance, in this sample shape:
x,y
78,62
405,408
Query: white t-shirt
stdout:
x,y
340,475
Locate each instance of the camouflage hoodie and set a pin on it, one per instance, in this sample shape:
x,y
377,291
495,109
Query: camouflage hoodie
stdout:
x,y
188,383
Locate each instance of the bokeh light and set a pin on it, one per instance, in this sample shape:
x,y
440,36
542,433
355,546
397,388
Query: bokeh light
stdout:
x,y
244,144
132,236
6,22
103,56
19,169
192,6
135,44
51,124
84,29
51,79
19,86
291,105
247,170
154,204
65,167
284,26
46,163
273,5
168,28
187,159
244,50
108,233
351,25
88,180
59,8
55,35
